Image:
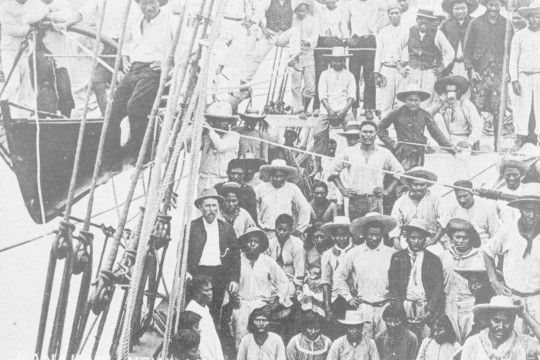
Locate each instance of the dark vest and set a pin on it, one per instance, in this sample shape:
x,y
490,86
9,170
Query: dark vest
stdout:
x,y
279,18
423,54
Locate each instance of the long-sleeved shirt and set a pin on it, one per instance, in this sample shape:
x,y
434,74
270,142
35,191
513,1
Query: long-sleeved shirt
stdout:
x,y
55,41
329,20
330,261
246,198
405,210
484,42
301,348
114,13
288,199
432,350
16,19
364,177
242,222
524,53
456,287
217,152
410,126
368,269
483,216
507,214
462,119
403,347
337,87
309,29
342,349
292,257
390,46
238,9
361,17
525,346
210,346
271,349
441,43
257,148
150,41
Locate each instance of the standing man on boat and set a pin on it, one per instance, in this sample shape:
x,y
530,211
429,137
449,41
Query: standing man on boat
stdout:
x,y
16,20
483,52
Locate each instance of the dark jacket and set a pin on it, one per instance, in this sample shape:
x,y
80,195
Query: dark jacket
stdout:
x,y
432,278
279,17
423,53
228,245
455,32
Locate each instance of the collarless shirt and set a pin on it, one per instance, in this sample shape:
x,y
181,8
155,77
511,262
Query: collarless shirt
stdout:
x,y
271,349
210,346
524,54
211,252
337,87
456,287
362,16
342,349
390,46
404,347
415,288
405,210
329,20
330,261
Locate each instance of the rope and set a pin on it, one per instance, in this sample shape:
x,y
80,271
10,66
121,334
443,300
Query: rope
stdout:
x,y
26,242
449,148
45,303
89,52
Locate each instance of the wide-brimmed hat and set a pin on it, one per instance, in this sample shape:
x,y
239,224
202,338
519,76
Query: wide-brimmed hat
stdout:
x,y
448,5
457,224
247,161
358,225
340,222
278,164
352,128
534,8
512,162
420,172
497,303
475,268
529,194
220,111
228,187
460,82
393,5
253,115
338,52
420,225
428,14
355,317
484,2
209,194
255,231
412,89
161,2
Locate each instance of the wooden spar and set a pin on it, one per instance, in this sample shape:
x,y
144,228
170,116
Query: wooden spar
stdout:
x,y
504,87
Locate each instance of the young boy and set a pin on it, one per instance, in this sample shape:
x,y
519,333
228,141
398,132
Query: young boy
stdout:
x,y
310,343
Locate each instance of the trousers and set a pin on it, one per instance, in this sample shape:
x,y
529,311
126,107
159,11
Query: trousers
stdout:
x,y
387,94
230,45
364,61
426,80
307,77
528,101
322,133
460,313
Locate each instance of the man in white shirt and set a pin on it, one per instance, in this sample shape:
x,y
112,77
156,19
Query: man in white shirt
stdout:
x,y
525,74
511,169
148,40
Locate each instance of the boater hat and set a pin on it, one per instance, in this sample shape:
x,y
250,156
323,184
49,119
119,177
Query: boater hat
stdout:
x,y
418,225
228,187
420,172
355,317
448,5
247,161
278,164
358,225
512,162
339,222
497,303
255,231
530,194
476,267
220,111
352,128
209,194
412,89
484,2
428,14
338,52
534,8
460,82
253,115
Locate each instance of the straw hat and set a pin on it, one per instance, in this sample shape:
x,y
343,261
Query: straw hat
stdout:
x,y
278,164
388,222
484,2
355,317
428,14
209,194
340,222
457,224
512,162
476,267
394,5
460,82
420,172
228,187
352,128
338,52
448,5
220,111
412,89
497,303
260,234
252,114
530,194
161,2
419,225
247,161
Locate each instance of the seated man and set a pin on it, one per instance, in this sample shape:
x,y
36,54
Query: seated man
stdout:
x,y
397,341
353,345
310,343
322,210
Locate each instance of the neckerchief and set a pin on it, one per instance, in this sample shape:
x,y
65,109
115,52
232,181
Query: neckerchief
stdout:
x,y
231,218
505,351
530,239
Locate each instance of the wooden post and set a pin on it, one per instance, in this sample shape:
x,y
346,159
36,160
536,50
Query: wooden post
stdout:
x,y
504,87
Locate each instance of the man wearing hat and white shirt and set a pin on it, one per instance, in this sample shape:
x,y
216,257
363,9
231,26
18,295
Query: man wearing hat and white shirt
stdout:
x,y
499,340
519,246
416,277
367,265
364,182
410,122
213,250
455,115
354,345
262,281
251,119
525,73
417,203
511,169
427,55
337,92
279,196
218,147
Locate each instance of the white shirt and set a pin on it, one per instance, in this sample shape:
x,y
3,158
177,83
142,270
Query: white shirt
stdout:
x,y
524,53
150,41
15,21
329,20
405,210
390,45
415,288
211,253
330,263
238,9
362,16
114,14
507,214
55,41
337,87
210,346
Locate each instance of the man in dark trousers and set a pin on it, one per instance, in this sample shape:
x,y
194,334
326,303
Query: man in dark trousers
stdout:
x,y
213,250
483,52
416,278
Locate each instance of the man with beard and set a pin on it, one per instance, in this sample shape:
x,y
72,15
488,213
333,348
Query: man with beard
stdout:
x,y
310,344
365,184
397,342
262,281
455,28
322,210
525,76
354,345
236,216
511,169
417,203
479,212
367,266
519,246
462,252
410,122
483,53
